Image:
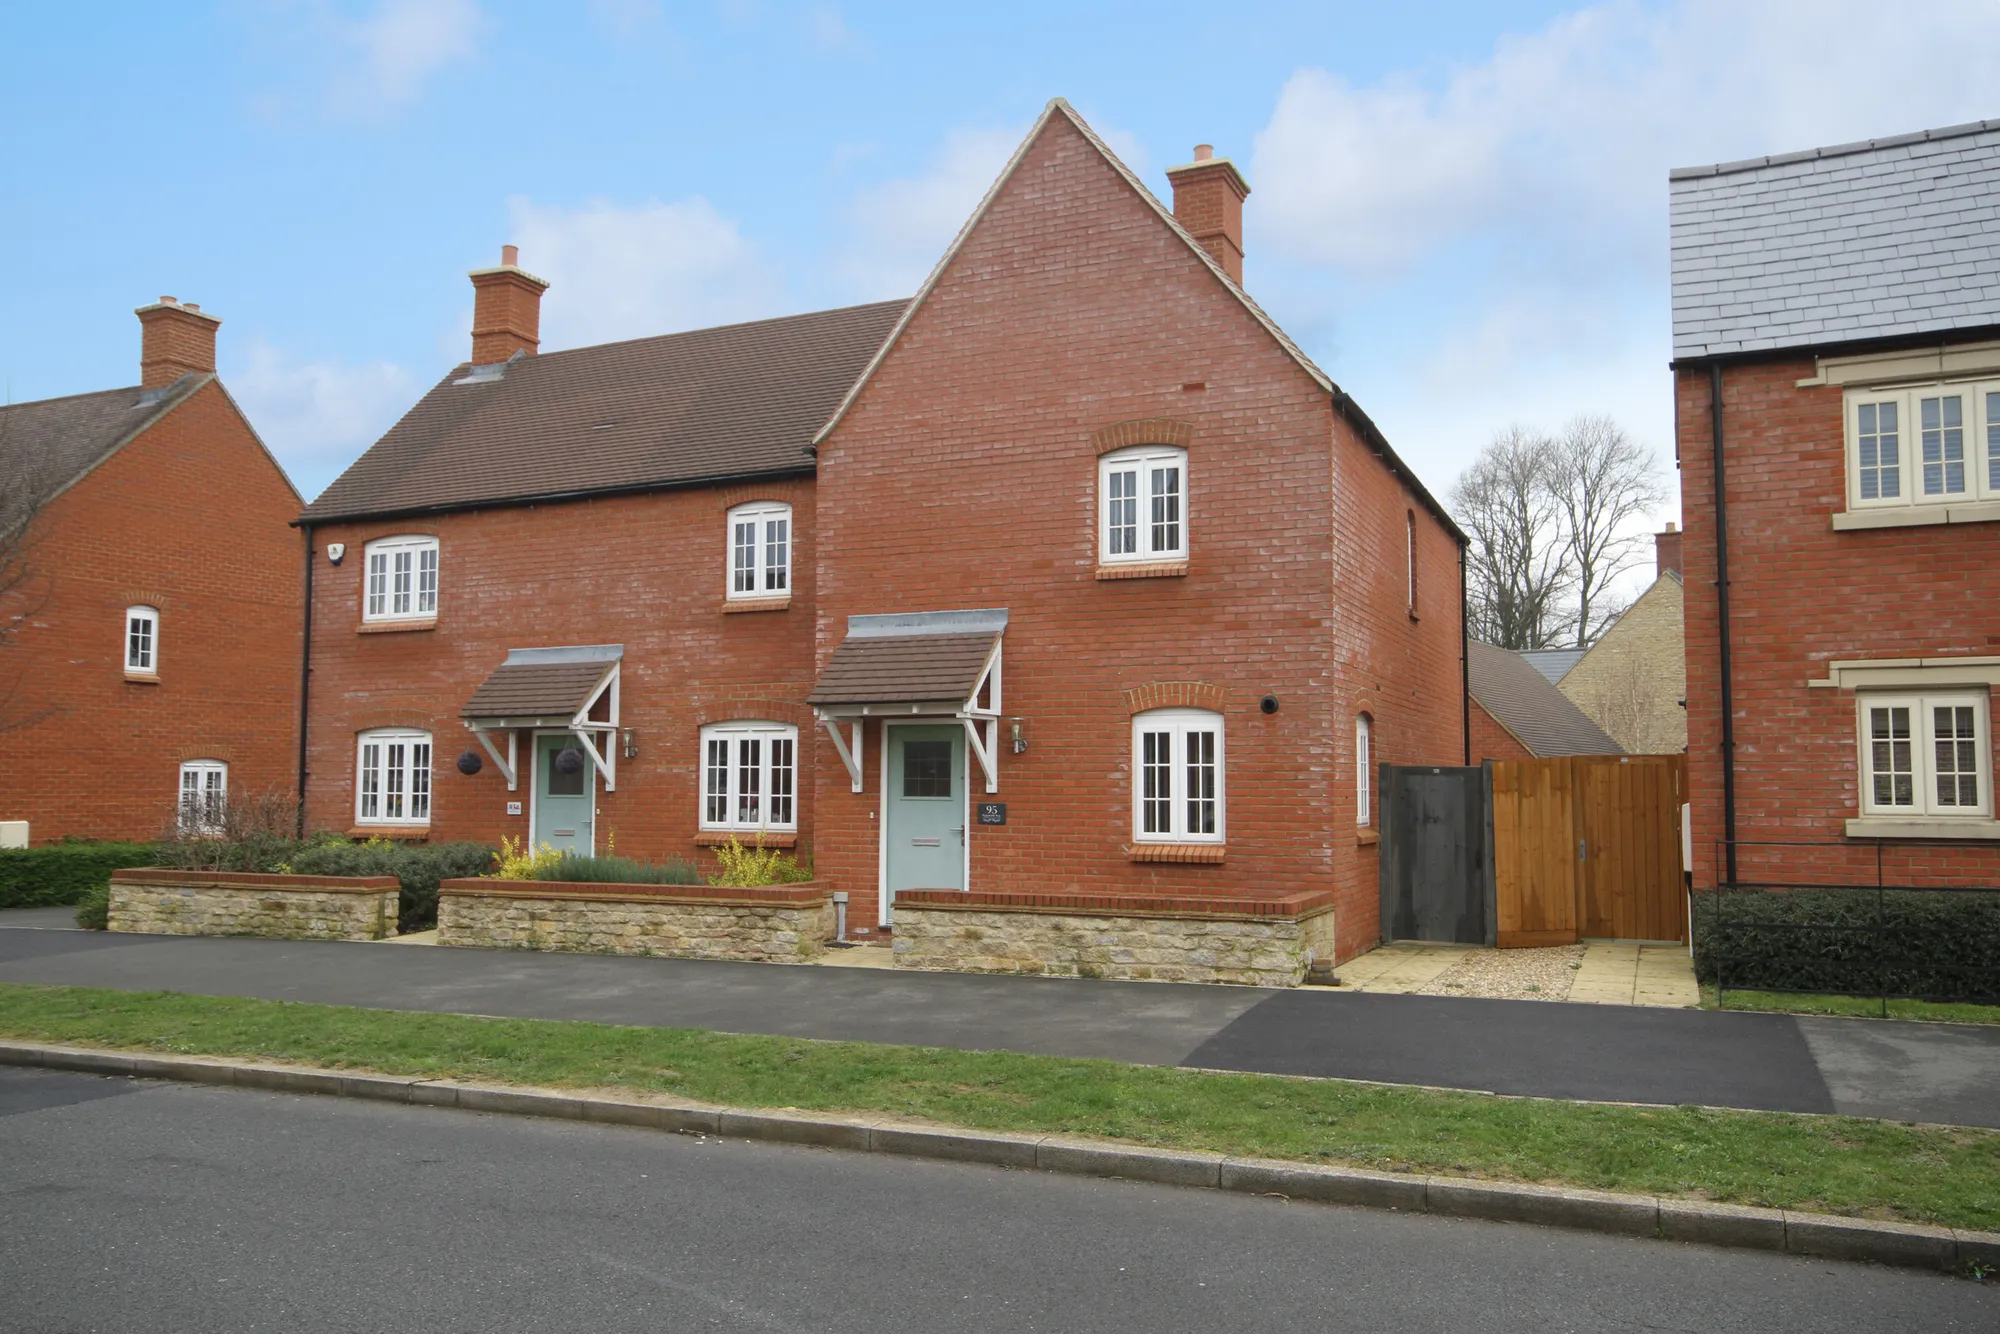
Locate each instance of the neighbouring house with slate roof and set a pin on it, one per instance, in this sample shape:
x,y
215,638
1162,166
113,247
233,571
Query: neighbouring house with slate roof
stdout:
x,y
151,594
1553,663
1836,325
1518,714
1072,576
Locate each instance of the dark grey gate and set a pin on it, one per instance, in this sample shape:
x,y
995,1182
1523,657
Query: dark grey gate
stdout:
x,y
1437,854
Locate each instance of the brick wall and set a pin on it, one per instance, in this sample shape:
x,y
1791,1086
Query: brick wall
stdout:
x,y
1801,595
1491,741
191,518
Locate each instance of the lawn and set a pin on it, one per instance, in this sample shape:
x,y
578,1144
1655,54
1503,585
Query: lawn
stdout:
x,y
1862,1007
1823,1163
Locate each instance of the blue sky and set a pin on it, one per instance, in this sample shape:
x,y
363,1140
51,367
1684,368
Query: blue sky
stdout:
x,y
1458,209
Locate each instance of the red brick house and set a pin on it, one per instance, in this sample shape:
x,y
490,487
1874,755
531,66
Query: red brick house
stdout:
x,y
1837,378
1072,574
155,616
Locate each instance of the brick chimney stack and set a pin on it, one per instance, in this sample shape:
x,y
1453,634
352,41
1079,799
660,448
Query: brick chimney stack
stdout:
x,y
176,338
1667,551
506,309
1208,201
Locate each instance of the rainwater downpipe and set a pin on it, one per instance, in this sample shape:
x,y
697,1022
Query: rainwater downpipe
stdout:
x,y
1722,625
305,680
1464,662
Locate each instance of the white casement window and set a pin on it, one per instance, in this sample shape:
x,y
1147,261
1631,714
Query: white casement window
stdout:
x,y
1925,755
204,797
760,551
402,579
1931,444
142,640
750,776
1364,759
392,777
1143,505
1177,776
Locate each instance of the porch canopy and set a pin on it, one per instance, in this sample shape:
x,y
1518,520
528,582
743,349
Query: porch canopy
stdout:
x,y
927,663
570,689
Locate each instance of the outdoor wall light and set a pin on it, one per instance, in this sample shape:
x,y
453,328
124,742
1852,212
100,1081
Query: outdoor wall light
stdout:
x,y
1268,704
631,747
470,763
1018,728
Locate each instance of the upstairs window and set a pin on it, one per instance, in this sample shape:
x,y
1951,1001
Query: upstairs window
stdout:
x,y
760,551
1925,755
749,776
1143,500
1410,559
402,580
1177,776
142,641
392,782
204,799
1934,444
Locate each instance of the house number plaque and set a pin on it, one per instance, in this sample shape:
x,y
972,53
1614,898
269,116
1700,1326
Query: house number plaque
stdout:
x,y
993,812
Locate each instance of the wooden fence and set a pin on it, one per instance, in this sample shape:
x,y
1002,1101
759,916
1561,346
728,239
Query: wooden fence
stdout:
x,y
1588,845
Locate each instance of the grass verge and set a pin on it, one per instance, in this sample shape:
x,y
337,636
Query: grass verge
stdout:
x,y
1825,1163
1861,1007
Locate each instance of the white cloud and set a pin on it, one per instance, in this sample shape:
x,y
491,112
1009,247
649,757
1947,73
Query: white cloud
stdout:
x,y
900,228
394,50
630,272
317,415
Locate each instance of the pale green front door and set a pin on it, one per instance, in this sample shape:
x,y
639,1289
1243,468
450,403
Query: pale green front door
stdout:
x,y
565,794
925,802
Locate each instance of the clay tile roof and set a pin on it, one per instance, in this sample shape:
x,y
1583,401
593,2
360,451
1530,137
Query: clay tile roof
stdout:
x,y
535,690
47,444
1527,703
903,668
733,402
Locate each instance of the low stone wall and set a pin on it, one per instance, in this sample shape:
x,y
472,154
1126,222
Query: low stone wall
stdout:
x,y
773,924
1264,942
163,902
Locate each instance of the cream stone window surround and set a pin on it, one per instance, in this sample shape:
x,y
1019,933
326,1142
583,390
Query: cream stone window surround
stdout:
x,y
1904,678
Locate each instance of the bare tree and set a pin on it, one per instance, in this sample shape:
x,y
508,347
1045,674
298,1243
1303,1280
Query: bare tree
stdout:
x,y
22,592
1516,575
1601,480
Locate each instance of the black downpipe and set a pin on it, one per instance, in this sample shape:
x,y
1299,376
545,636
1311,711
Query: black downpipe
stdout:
x,y
1464,662
1722,624
305,680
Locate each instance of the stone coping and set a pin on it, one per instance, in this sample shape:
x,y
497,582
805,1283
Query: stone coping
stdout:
x,y
811,894
1116,903
1664,1217
263,880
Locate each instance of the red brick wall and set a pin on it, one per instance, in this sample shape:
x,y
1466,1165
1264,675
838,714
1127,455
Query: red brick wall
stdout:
x,y
191,518
964,477
1802,594
1491,741
645,571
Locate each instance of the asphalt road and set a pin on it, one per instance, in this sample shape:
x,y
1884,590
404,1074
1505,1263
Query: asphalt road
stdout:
x,y
164,1207
1906,1071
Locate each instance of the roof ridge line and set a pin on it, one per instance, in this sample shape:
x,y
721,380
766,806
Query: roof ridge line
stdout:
x,y
1833,150
707,328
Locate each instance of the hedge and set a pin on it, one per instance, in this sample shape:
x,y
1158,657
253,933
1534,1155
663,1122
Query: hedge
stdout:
x,y
57,874
420,866
1931,944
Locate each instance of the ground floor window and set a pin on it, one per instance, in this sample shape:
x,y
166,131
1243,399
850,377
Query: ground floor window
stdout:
x,y
204,796
1925,754
1177,773
749,776
393,778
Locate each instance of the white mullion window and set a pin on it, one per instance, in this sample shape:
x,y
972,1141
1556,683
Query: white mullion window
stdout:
x,y
400,579
1925,755
142,640
749,776
1878,422
1144,505
392,782
760,550
1941,445
1177,776
204,796
1987,396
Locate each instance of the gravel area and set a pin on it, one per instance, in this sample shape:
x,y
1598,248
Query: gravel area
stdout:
x,y
1510,974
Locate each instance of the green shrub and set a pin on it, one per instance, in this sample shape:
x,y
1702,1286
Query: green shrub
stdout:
x,y
93,910
56,874
747,868
617,870
419,866
1934,944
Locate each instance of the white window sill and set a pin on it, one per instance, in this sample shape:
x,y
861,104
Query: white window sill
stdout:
x,y
395,627
1898,826
1917,516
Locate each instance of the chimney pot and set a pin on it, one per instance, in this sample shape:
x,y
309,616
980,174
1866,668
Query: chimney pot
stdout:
x,y
1208,201
506,310
510,255
1204,152
168,301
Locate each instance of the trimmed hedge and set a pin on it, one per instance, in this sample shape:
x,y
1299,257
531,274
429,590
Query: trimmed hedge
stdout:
x,y
420,866
1931,944
57,874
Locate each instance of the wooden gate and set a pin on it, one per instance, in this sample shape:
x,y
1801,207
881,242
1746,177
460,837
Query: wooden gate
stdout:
x,y
1588,845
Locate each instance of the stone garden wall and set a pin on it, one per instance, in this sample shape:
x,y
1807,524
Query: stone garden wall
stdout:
x,y
1266,942
234,903
774,924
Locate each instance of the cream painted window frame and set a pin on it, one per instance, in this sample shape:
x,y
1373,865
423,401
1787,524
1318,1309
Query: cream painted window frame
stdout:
x,y
1982,438
1924,752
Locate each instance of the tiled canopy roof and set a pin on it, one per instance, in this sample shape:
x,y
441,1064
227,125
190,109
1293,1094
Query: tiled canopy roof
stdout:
x,y
543,683
1527,704
903,669
738,401
1879,239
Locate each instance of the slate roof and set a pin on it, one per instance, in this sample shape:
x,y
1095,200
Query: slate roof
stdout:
x,y
1553,663
1526,703
1878,239
903,669
48,444
742,400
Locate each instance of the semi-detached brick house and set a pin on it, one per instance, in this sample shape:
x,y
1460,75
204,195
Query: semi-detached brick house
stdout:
x,y
153,659
1071,574
1837,365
